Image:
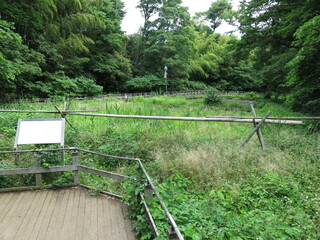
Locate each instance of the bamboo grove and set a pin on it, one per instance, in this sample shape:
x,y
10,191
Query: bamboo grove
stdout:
x,y
77,48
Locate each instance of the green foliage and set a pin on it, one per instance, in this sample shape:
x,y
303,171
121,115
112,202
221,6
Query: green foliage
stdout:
x,y
166,41
212,97
218,11
133,187
304,75
146,84
17,62
115,143
64,86
46,44
251,96
280,38
64,178
151,83
272,207
8,181
81,39
213,189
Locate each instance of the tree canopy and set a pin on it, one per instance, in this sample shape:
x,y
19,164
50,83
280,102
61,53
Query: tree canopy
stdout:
x,y
68,45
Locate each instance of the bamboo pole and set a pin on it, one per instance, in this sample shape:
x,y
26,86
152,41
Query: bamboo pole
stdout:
x,y
260,137
206,119
44,111
245,117
255,129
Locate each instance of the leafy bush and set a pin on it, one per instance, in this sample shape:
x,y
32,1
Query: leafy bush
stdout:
x,y
271,207
151,83
251,95
212,97
304,70
56,85
133,187
145,84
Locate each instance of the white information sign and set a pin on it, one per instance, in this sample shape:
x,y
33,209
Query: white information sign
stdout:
x,y
40,131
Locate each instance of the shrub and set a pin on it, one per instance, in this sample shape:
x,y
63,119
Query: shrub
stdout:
x,y
56,85
151,83
251,95
145,84
212,97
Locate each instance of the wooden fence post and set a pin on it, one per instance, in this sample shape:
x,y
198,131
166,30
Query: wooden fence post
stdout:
x,y
261,140
75,162
148,192
38,175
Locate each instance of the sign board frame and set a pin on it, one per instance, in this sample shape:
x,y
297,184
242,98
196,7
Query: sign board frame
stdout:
x,y
40,135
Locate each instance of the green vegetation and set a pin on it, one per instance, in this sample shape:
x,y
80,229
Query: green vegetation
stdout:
x,y
76,47
212,97
214,189
68,48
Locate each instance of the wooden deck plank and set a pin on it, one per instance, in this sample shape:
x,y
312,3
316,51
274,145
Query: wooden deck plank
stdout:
x,y
7,206
115,223
62,214
40,218
107,220
10,210
61,209
81,214
23,213
71,230
6,198
41,225
128,224
67,221
101,228
86,223
16,219
93,218
31,215
55,215
120,219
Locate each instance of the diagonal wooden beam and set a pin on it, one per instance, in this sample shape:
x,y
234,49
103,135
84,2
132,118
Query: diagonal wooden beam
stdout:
x,y
63,115
255,129
261,140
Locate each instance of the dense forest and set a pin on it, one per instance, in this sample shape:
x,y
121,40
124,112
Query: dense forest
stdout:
x,y
77,48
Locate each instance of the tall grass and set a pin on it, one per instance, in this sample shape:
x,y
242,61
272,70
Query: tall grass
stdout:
x,y
207,152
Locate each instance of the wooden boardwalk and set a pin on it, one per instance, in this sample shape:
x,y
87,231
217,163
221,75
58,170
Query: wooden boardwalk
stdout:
x,y
62,214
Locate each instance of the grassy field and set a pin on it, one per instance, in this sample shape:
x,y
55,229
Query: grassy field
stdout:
x,y
214,189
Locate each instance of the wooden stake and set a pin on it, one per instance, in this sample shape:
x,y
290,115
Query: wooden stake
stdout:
x,y
38,175
63,115
255,129
259,130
